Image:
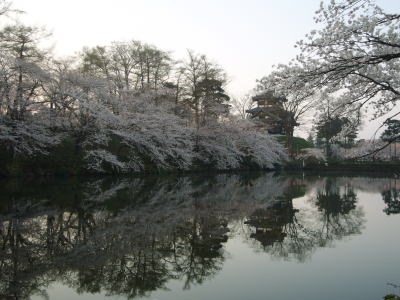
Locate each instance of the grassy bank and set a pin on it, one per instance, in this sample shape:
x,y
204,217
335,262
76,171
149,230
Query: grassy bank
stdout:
x,y
344,166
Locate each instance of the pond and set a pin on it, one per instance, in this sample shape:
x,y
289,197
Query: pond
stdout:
x,y
226,236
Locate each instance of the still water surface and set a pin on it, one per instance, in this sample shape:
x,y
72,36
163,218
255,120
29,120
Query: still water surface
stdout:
x,y
229,236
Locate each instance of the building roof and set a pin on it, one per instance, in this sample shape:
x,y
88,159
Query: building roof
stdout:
x,y
268,95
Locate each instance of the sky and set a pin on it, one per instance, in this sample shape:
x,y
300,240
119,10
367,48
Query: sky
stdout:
x,y
246,38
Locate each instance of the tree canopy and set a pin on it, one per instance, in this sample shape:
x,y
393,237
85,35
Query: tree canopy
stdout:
x,y
354,58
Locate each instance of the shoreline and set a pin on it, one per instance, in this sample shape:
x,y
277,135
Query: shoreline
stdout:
x,y
370,167
290,168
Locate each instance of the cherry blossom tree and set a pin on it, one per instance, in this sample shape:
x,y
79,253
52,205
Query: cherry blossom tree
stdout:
x,y
314,153
353,57
119,110
356,52
21,81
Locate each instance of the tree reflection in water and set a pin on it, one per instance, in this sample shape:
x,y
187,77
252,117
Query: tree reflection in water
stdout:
x,y
292,233
391,197
129,237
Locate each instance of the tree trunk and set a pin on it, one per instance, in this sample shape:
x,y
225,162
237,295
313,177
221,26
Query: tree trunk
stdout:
x,y
289,139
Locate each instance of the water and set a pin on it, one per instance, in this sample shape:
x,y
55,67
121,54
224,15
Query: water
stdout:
x,y
229,236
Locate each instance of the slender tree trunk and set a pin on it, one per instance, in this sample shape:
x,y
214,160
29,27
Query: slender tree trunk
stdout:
x,y
328,149
18,98
197,113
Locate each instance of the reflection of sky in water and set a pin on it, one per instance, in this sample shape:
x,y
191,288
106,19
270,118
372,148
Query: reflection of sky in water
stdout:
x,y
354,266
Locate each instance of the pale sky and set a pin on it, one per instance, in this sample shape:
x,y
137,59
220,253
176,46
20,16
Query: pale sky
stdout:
x,y
244,37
